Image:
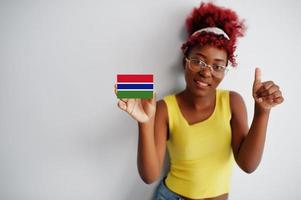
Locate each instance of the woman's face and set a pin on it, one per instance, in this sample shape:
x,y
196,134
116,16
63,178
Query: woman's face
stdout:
x,y
202,83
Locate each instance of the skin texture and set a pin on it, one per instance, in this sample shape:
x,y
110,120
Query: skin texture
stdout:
x,y
197,104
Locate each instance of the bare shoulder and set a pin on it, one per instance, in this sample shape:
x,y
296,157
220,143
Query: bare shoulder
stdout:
x,y
161,120
161,110
236,102
235,98
161,103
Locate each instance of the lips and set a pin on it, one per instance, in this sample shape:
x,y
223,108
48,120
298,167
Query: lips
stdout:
x,y
202,84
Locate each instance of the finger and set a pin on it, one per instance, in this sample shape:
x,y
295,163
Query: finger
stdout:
x,y
265,86
276,94
122,105
257,78
271,90
124,100
273,97
257,83
275,101
115,89
268,100
153,100
279,100
133,107
154,97
260,99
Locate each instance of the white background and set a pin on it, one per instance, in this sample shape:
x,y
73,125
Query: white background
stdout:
x,y
61,134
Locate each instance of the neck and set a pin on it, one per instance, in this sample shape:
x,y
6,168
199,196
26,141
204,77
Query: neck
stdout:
x,y
198,102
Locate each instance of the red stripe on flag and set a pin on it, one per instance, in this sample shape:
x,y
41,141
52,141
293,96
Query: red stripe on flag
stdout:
x,y
135,78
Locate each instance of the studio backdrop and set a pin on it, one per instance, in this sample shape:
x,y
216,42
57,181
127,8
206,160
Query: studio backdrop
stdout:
x,y
62,136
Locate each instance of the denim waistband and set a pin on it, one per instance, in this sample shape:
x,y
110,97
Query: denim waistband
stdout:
x,y
164,193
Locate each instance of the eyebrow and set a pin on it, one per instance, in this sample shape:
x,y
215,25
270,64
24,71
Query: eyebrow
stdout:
x,y
215,59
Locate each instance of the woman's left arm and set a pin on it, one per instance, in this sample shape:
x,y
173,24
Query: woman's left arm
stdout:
x,y
248,144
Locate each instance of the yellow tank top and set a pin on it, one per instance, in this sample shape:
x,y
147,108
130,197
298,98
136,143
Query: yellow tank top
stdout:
x,y
201,156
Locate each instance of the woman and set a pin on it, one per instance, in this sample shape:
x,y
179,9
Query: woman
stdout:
x,y
204,128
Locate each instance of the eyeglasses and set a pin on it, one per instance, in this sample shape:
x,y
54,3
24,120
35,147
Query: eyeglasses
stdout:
x,y
196,65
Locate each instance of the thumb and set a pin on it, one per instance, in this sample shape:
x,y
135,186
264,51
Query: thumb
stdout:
x,y
257,78
122,105
153,100
257,84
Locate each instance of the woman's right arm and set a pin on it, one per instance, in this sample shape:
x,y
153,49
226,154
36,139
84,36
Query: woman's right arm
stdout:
x,y
152,144
152,121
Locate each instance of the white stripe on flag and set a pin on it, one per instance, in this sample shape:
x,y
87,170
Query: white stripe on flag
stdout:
x,y
135,89
135,82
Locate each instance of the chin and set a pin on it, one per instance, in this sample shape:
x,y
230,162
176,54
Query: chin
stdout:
x,y
201,91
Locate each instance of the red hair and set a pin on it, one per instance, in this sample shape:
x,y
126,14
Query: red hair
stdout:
x,y
210,15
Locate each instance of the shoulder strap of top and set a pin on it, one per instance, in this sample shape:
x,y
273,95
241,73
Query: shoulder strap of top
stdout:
x,y
224,103
171,104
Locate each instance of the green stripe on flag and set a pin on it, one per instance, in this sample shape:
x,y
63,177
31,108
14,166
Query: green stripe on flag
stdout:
x,y
135,94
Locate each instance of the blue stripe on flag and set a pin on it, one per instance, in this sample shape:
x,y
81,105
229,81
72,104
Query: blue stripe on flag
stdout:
x,y
135,86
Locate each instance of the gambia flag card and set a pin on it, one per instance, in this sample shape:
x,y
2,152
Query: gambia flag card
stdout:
x,y
140,86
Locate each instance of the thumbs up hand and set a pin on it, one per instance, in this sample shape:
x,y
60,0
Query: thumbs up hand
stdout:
x,y
266,94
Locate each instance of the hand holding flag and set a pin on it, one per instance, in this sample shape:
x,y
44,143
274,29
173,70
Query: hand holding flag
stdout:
x,y
135,86
136,96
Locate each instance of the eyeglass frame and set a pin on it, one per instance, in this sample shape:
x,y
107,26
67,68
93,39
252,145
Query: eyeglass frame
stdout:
x,y
225,67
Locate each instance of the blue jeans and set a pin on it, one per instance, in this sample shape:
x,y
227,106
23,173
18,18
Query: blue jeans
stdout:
x,y
163,193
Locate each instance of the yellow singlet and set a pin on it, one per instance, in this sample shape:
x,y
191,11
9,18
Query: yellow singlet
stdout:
x,y
201,156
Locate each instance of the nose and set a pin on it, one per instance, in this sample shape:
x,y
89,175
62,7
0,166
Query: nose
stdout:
x,y
206,72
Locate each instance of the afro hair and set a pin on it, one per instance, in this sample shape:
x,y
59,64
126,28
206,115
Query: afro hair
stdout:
x,y
211,15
